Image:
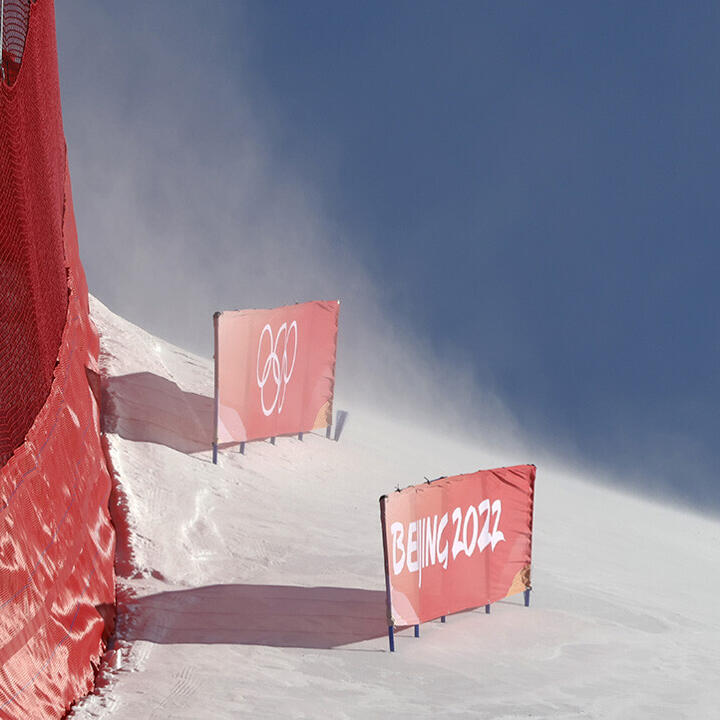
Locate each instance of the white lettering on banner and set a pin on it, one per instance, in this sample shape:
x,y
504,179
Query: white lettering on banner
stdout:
x,y
442,554
428,546
398,532
412,547
497,536
485,537
276,365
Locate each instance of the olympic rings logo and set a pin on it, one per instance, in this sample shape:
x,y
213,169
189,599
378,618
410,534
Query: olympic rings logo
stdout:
x,y
276,365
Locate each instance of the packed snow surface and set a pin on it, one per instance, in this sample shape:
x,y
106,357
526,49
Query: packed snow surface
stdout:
x,y
255,588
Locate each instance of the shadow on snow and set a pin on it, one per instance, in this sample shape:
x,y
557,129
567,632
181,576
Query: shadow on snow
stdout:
x,y
273,615
148,408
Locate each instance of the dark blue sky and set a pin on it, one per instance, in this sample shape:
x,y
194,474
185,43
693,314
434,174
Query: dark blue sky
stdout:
x,y
539,184
532,185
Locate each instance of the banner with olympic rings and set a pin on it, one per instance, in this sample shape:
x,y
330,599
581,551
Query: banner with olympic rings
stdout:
x,y
274,370
457,543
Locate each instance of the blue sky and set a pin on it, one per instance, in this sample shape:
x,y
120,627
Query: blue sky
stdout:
x,y
531,187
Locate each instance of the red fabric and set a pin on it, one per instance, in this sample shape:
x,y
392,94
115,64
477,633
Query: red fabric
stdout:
x,y
275,370
33,291
458,542
56,539
15,24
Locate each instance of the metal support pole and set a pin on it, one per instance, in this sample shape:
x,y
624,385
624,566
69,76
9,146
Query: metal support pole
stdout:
x,y
487,609
300,437
272,440
388,595
216,405
527,598
327,431
442,618
242,448
417,631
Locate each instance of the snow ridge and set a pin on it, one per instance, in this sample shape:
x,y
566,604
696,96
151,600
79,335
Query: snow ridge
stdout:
x,y
255,588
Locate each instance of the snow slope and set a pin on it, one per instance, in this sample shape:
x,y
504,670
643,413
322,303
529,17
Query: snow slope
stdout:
x,y
255,588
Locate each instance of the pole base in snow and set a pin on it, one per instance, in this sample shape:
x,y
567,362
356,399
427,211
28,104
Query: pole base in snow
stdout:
x,y
442,618
391,638
527,598
242,448
417,631
214,453
487,609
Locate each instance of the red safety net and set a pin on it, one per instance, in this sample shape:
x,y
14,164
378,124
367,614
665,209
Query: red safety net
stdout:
x,y
32,258
14,15
56,539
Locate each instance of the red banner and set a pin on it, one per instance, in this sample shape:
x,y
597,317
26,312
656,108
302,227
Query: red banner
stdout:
x,y
457,543
275,370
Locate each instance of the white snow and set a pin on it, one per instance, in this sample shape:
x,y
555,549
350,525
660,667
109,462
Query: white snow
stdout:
x,y
255,588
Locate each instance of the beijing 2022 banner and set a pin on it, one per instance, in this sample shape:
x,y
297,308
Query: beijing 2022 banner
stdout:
x,y
457,543
275,370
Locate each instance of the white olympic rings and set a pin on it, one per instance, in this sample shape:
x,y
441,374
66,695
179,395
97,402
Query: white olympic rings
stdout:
x,y
276,364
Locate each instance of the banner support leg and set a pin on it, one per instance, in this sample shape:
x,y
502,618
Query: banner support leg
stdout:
x,y
442,618
216,402
242,448
417,631
487,609
300,437
272,440
527,598
327,431
388,597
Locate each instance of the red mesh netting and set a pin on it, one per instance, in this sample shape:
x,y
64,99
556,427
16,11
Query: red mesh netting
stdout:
x,y
56,539
14,15
33,284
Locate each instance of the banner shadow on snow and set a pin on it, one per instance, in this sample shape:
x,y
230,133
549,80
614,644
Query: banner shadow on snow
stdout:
x,y
273,615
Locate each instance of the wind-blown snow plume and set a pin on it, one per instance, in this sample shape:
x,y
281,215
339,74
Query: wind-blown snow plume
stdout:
x,y
189,206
